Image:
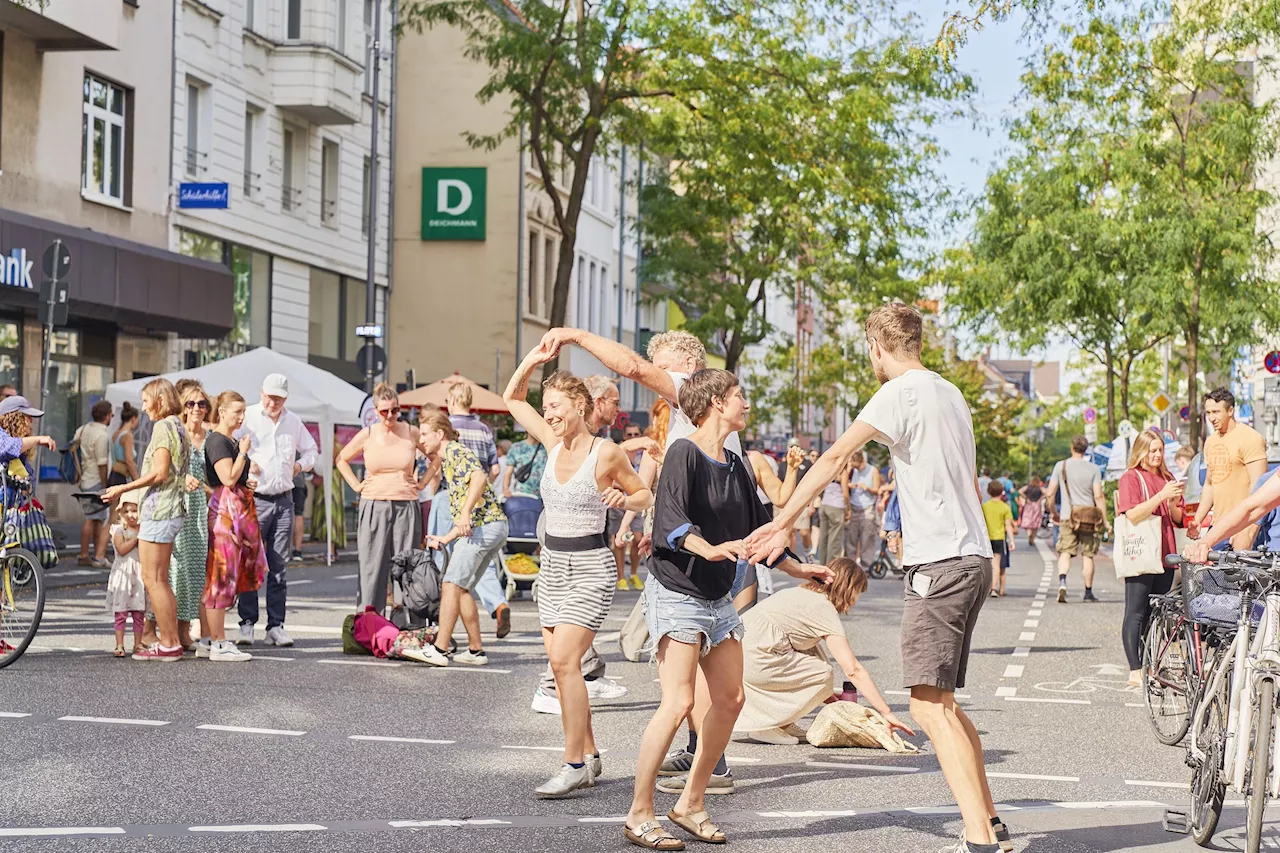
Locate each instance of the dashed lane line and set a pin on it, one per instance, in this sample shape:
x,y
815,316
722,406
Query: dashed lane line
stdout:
x,y
113,721
250,730
388,739
1006,692
261,827
1047,700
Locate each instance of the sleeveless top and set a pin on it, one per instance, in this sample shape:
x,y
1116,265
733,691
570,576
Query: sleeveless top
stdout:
x,y
573,508
389,468
859,498
117,448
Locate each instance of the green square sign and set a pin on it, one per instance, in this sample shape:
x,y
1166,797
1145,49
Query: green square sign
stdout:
x,y
453,203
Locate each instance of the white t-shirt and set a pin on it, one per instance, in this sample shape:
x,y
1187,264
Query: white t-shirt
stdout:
x,y
926,424
682,427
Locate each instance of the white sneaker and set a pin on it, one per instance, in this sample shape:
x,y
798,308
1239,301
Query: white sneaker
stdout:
x,y
470,658
246,635
596,766
277,637
777,737
202,648
545,703
428,654
565,782
225,651
604,689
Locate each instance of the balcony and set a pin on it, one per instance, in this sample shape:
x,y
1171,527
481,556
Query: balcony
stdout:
x,y
316,83
65,24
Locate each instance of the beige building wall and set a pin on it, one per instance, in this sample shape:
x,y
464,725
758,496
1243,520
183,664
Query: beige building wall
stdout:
x,y
454,304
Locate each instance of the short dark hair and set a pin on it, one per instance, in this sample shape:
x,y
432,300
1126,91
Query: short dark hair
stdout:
x,y
1079,444
1223,396
995,489
701,388
101,411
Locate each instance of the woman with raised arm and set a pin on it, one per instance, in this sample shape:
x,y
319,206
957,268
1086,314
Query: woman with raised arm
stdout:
x,y
578,574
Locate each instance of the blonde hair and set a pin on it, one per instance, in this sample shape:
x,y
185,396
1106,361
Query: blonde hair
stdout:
x,y
165,395
226,398
598,385
660,421
437,421
383,391
1142,446
848,581
679,341
573,388
459,395
18,425
897,328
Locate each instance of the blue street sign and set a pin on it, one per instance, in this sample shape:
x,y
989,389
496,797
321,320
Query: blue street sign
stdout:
x,y
203,195
1246,412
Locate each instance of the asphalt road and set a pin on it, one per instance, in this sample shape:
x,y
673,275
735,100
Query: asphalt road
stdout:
x,y
303,749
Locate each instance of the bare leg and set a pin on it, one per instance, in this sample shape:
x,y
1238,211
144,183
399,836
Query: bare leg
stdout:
x,y
1064,563
959,753
635,556
677,663
100,536
86,537
745,599
471,620
618,559
722,667
1088,571
154,557
450,596
184,632
203,614
214,623
566,644
976,743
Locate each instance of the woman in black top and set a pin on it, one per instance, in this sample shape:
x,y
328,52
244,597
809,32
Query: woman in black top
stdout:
x,y
706,505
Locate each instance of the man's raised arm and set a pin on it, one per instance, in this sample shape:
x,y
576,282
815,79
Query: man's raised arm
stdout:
x,y
620,359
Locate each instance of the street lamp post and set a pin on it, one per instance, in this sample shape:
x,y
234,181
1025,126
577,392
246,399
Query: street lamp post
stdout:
x,y
370,296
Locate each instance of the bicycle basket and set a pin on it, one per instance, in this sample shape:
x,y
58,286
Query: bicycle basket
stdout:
x,y
1209,598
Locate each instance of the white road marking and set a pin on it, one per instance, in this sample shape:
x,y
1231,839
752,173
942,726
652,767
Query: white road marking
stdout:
x,y
301,582
1006,692
249,730
838,813
423,824
622,819
1134,705
386,739
1027,637
1117,804
1031,623
345,577
272,657
737,759
935,810
535,748
13,715
1049,701
1033,777
114,721
61,830
879,768
321,630
260,828
461,667
908,693
359,662
1013,670
1144,783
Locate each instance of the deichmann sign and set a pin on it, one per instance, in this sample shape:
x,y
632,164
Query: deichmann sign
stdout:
x,y
15,270
453,203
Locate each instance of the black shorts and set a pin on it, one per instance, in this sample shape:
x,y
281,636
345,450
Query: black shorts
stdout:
x,y
299,501
998,549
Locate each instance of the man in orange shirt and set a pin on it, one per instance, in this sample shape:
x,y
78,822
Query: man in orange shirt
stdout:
x,y
1235,456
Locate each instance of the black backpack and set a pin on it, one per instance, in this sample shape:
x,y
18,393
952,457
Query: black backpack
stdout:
x,y
420,580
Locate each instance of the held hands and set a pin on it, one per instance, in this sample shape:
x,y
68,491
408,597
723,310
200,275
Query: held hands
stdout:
x,y
252,484
614,498
815,572
553,340
731,550
1197,551
297,469
767,544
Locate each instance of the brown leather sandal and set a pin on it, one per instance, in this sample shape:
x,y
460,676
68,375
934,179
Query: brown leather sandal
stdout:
x,y
698,825
651,836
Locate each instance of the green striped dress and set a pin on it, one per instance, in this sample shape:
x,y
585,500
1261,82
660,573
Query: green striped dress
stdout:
x,y
191,548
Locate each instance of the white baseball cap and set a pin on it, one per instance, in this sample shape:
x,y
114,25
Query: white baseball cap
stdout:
x,y
276,385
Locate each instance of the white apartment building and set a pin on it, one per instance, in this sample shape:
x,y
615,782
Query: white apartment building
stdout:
x,y
273,99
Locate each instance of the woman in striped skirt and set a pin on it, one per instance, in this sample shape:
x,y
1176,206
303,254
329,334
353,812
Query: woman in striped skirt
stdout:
x,y
577,578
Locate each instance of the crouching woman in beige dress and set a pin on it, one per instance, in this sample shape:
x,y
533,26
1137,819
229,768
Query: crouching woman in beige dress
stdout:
x,y
786,673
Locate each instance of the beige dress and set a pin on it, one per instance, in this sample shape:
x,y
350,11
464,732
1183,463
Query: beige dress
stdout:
x,y
786,672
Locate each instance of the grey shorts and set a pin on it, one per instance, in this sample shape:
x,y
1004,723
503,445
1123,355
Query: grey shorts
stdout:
x,y
943,600
472,555
94,509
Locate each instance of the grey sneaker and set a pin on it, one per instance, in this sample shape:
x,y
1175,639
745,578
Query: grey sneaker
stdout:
x,y
677,763
246,635
565,782
596,766
716,785
277,637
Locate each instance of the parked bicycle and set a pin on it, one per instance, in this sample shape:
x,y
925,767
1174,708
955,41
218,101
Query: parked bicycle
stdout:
x,y
1233,735
1172,667
21,590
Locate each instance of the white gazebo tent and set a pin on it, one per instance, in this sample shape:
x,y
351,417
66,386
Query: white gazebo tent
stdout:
x,y
315,395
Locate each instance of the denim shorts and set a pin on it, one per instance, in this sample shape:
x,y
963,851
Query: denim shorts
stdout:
x,y
687,619
162,531
473,554
743,577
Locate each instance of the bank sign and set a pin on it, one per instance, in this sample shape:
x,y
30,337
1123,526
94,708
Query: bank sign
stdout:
x,y
15,270
453,203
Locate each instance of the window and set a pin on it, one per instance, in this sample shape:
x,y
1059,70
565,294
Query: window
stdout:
x,y
365,185
602,324
341,12
104,125
193,129
324,315
580,315
593,306
548,275
11,352
329,159
368,47
290,186
1,92
250,15
79,373
252,273
353,298
531,284
250,143
293,19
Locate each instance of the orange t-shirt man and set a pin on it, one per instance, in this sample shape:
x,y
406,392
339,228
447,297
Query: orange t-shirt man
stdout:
x,y
1228,457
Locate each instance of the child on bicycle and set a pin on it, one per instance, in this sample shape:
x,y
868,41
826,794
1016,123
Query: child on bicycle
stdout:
x,y
126,596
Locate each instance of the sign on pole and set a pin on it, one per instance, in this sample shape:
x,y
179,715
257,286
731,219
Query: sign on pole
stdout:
x,y
1091,432
1090,414
1160,403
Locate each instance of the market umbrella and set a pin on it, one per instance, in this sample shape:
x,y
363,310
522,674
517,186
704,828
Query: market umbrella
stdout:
x,y
435,395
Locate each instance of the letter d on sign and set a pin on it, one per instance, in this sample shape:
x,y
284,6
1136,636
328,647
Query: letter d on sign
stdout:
x,y
442,196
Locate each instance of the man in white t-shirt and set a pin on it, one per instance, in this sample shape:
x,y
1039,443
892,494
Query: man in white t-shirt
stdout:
x,y
926,424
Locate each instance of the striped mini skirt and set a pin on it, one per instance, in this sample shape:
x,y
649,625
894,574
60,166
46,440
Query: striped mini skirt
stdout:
x,y
576,587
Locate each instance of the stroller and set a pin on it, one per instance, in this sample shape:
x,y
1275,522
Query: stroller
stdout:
x,y
521,549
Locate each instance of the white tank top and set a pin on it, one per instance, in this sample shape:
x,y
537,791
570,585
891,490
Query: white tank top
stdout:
x,y
574,508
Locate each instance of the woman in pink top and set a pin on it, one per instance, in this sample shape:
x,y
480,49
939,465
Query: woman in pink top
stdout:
x,y
389,518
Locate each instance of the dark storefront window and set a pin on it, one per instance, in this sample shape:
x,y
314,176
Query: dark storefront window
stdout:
x,y
81,367
11,352
252,273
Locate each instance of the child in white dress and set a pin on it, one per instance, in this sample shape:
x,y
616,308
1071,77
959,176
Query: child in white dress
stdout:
x,y
126,596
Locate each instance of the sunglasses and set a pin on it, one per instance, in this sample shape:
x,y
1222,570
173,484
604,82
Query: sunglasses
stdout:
x,y
632,434
393,412
198,404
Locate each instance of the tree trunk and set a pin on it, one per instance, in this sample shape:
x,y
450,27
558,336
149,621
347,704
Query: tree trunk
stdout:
x,y
1109,364
1124,387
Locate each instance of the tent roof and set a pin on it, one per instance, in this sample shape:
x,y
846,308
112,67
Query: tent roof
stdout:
x,y
435,395
314,394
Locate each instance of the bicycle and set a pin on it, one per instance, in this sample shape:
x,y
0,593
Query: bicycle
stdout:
x,y
1172,666
1232,741
884,562
21,592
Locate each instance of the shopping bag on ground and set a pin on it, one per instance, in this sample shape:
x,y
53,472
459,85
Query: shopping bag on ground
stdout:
x,y
374,632
845,724
349,644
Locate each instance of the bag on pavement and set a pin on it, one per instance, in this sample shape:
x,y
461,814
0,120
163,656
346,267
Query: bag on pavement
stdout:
x,y
349,644
1138,545
420,580
844,724
375,632
634,635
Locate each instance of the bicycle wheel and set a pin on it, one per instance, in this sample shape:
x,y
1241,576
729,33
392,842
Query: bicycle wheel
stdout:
x,y
1167,660
1261,760
1207,786
21,602
878,569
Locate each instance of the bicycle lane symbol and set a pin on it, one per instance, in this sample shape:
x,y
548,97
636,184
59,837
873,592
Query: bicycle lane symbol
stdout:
x,y
1109,678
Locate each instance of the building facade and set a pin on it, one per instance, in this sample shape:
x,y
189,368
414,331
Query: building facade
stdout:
x,y
273,99
85,118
